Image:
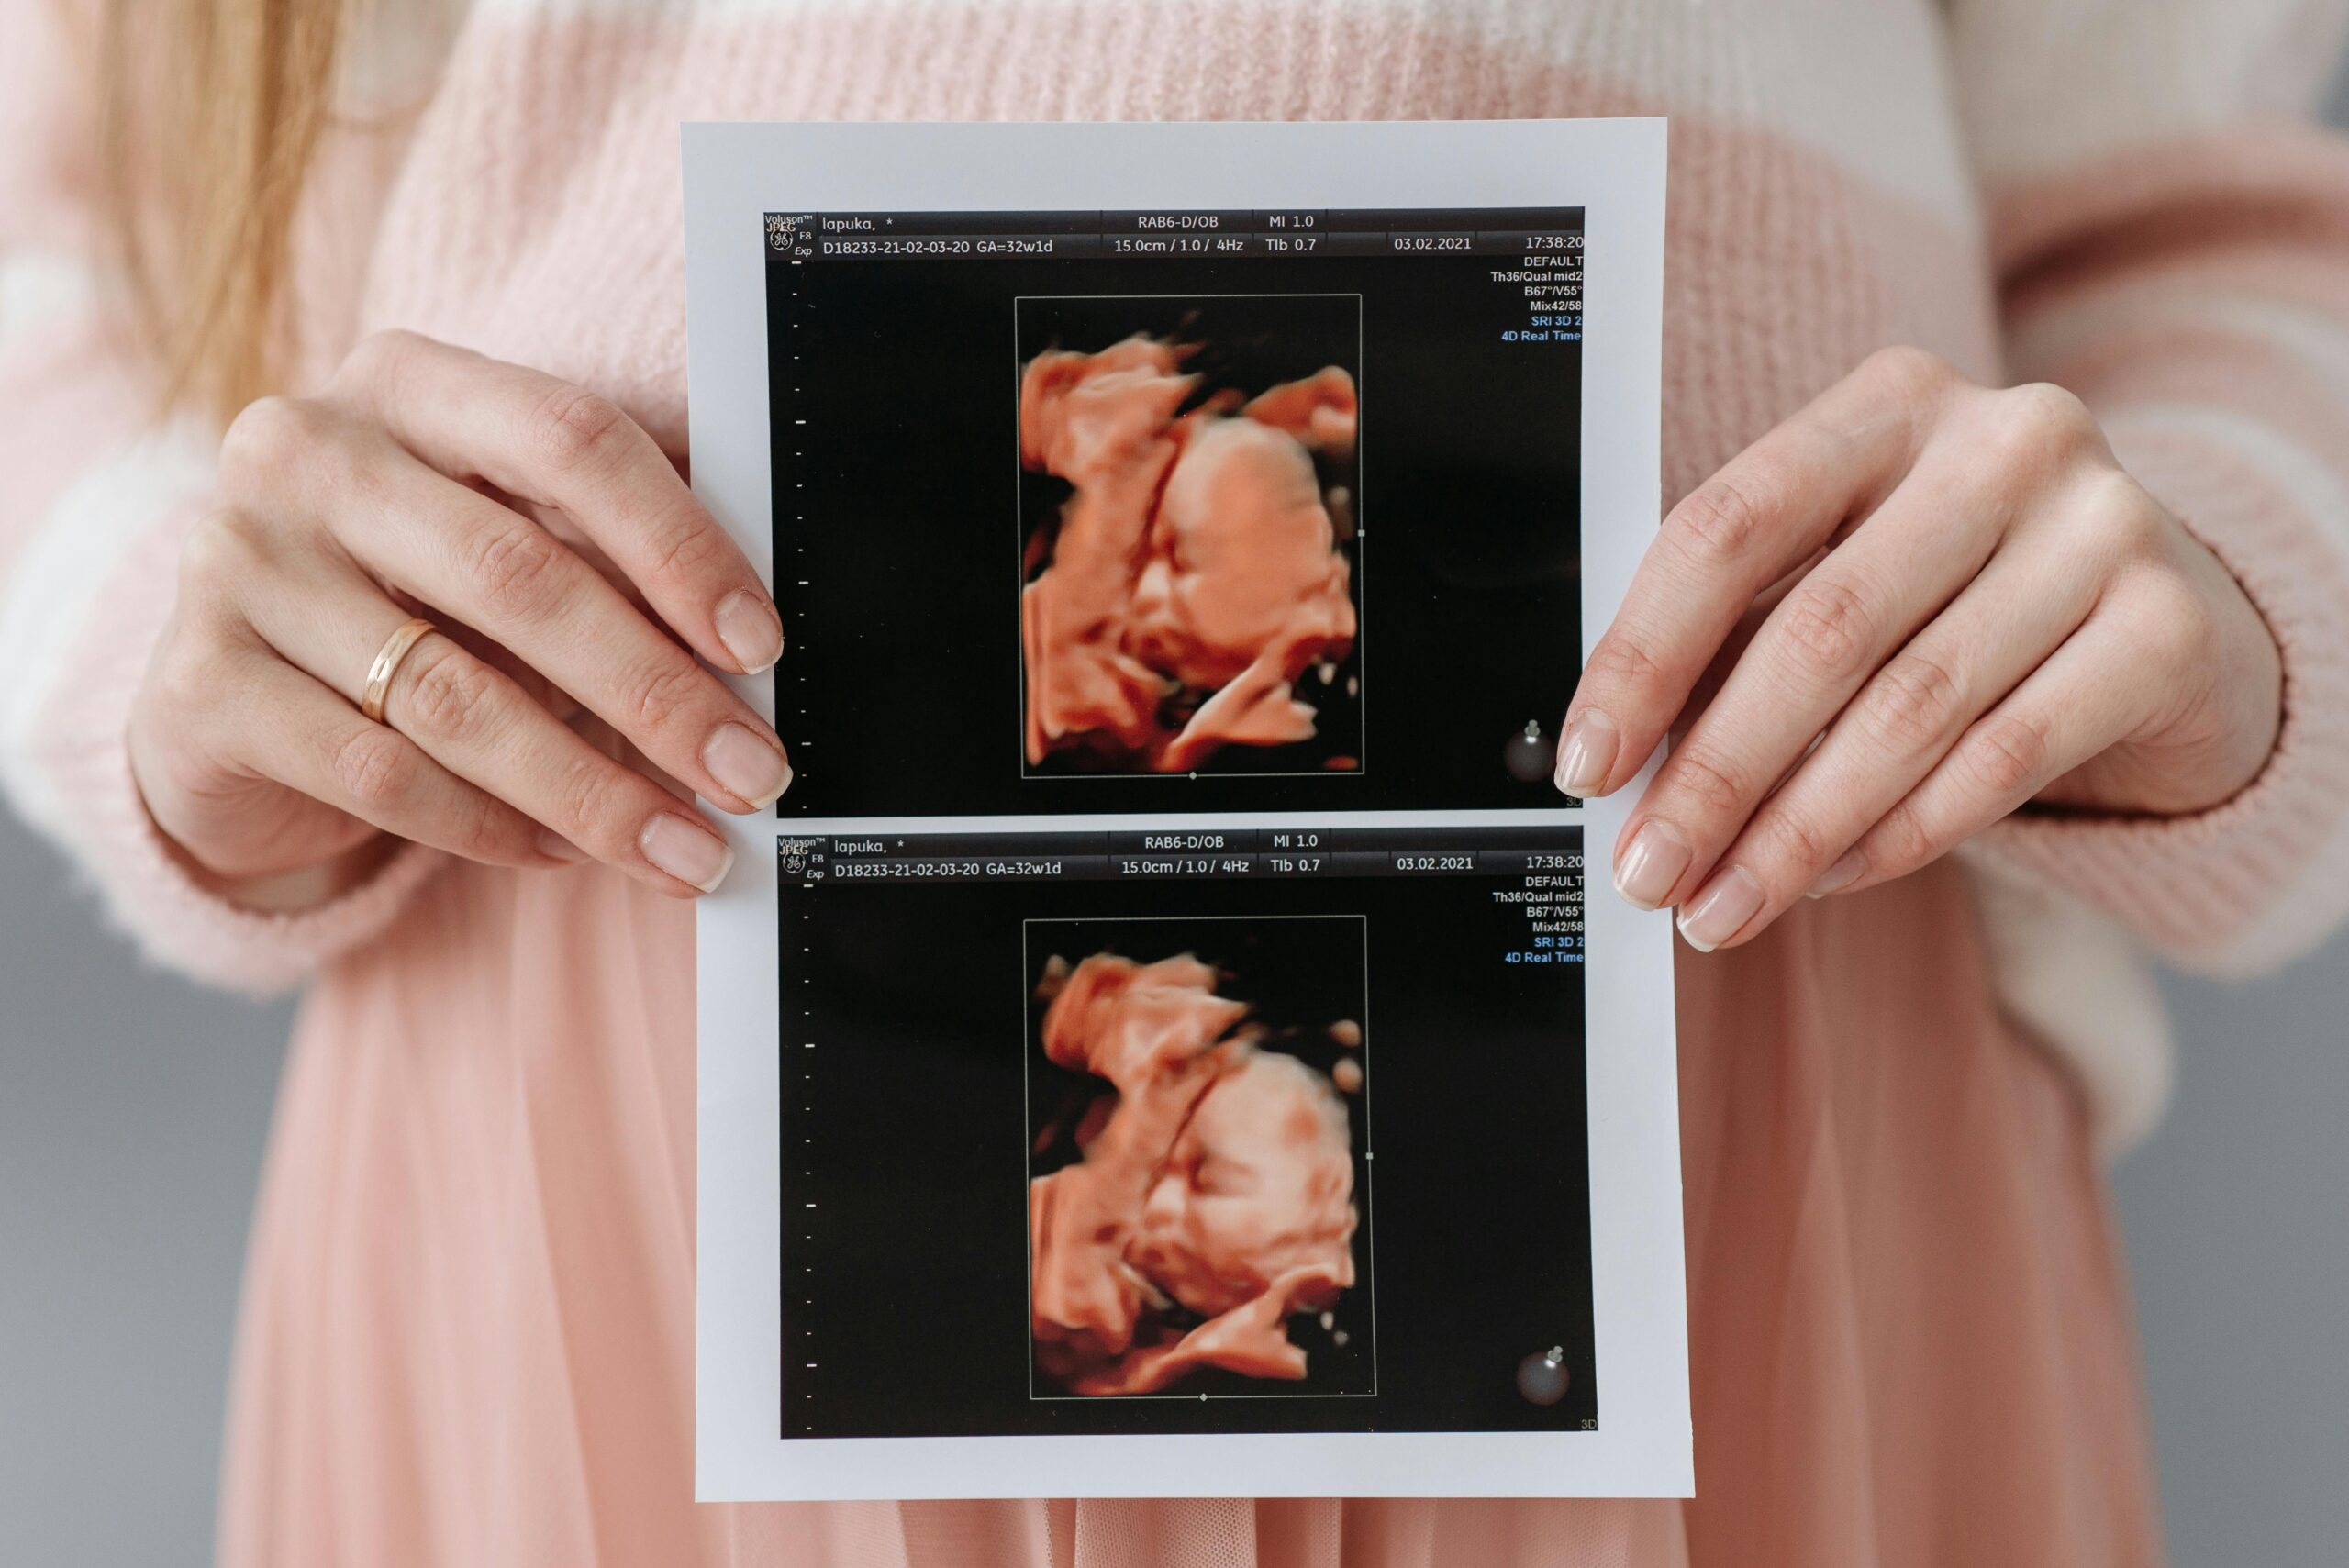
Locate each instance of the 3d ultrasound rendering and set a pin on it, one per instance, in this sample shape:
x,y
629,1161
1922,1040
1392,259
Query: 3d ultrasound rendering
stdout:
x,y
1194,574
1214,1200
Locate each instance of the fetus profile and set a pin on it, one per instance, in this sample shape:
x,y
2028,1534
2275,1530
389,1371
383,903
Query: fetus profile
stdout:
x,y
1195,573
1214,1198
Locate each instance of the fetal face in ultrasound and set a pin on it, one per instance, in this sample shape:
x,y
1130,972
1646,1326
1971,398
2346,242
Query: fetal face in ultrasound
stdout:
x,y
1196,1223
1188,522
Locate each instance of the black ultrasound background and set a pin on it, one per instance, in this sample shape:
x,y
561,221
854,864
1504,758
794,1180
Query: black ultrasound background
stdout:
x,y
898,504
906,1126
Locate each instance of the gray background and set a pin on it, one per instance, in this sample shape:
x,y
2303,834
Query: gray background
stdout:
x,y
133,1110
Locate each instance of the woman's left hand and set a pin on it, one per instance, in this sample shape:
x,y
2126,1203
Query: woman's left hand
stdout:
x,y
1912,608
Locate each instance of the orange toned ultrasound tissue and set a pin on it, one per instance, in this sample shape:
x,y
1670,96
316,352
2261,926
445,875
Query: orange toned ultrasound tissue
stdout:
x,y
1220,1181
1195,559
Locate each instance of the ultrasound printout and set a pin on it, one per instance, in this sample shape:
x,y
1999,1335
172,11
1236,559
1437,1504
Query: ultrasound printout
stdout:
x,y
1162,1043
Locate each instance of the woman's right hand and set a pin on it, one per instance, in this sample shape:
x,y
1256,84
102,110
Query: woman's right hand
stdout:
x,y
423,482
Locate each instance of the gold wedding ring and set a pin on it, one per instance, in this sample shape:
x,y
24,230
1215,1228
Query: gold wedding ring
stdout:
x,y
386,665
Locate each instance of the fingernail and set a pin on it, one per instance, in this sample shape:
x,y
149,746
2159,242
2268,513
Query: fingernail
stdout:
x,y
745,764
1658,856
1587,754
1721,911
1839,877
751,630
555,847
685,851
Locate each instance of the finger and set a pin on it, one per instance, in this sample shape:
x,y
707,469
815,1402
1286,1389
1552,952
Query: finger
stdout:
x,y
485,728
1887,740
1831,633
498,657
300,734
486,566
2092,694
543,692
1749,525
1741,636
546,440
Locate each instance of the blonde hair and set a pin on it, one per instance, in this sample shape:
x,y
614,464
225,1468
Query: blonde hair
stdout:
x,y
210,111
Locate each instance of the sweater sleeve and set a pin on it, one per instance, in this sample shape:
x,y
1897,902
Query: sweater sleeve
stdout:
x,y
94,498
2171,232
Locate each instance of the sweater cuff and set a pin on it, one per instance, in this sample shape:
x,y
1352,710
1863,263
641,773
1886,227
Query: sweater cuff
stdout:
x,y
2263,877
84,794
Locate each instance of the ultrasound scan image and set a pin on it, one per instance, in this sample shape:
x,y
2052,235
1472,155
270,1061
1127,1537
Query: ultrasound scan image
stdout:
x,y
1204,1216
1099,885
1190,597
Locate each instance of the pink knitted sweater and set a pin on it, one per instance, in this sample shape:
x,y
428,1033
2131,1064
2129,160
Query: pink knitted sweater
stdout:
x,y
2121,195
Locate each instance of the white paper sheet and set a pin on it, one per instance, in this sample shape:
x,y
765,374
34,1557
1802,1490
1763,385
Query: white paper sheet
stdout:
x,y
875,1104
